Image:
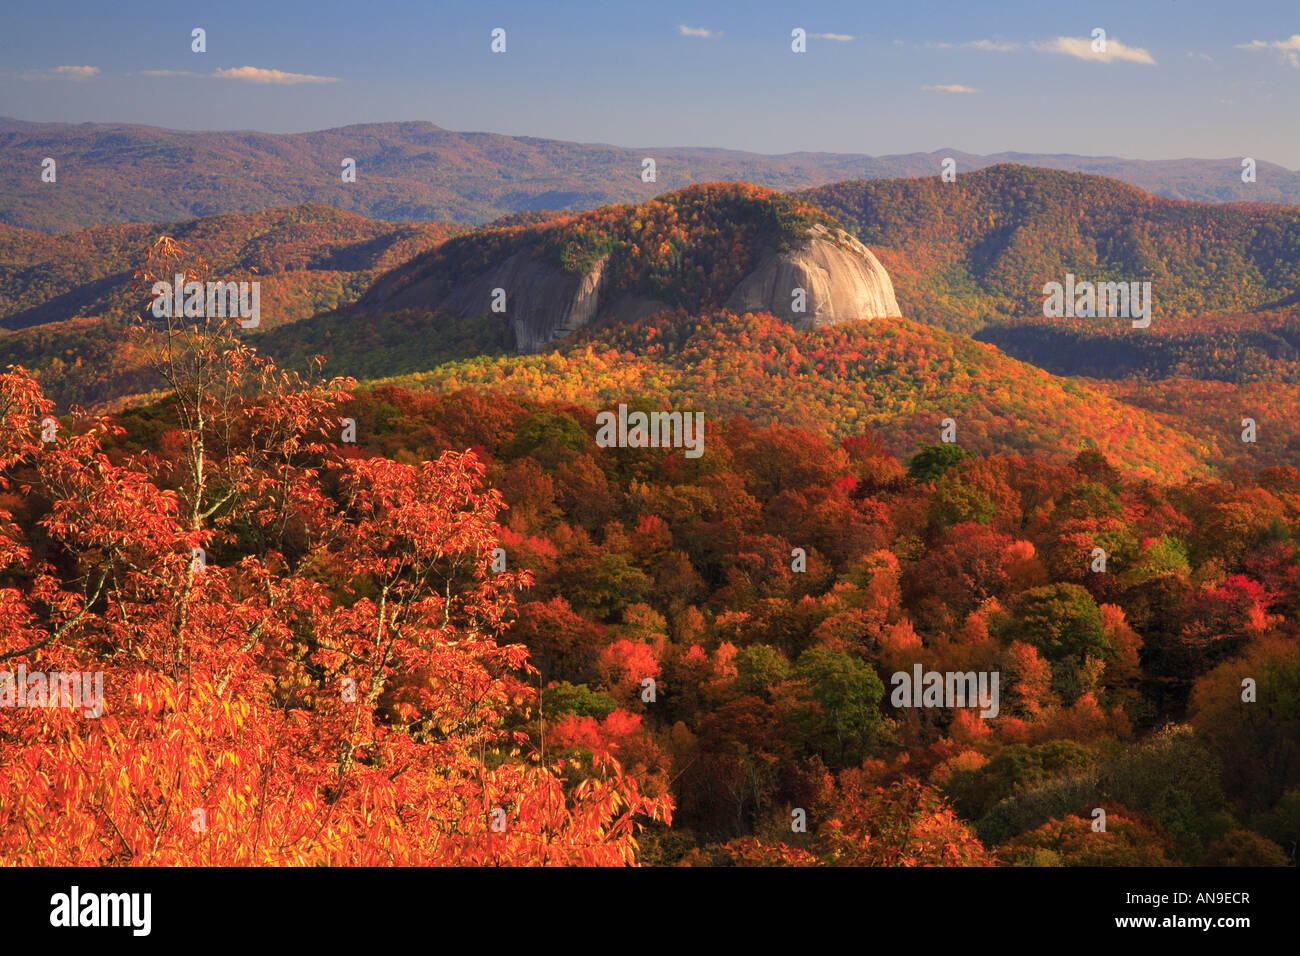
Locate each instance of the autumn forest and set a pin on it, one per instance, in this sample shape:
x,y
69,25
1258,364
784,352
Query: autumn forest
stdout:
x,y
897,472
429,620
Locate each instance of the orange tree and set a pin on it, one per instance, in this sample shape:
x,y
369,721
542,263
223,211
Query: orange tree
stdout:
x,y
301,652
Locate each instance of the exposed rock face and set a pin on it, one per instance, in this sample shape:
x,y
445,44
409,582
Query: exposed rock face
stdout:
x,y
543,303
841,279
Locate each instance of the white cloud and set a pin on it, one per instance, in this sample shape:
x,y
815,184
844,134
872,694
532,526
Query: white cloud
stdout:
x,y
950,88
990,46
1289,47
841,37
63,72
1292,43
697,32
252,74
1082,48
255,74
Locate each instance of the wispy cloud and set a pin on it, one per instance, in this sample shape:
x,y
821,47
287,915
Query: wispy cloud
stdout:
x,y
1070,46
250,74
950,88
253,74
703,32
1082,48
63,72
1289,48
839,37
990,46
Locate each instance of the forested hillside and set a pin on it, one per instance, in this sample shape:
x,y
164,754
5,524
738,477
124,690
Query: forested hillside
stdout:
x,y
972,258
895,377
967,252
772,675
1232,347
308,259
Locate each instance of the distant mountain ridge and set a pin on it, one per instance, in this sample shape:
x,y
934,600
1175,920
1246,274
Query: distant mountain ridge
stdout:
x,y
419,172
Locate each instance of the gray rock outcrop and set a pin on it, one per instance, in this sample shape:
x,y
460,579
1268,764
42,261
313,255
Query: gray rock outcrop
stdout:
x,y
840,278
543,303
842,282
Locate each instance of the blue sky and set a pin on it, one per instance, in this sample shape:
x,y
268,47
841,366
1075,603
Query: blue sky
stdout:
x,y
1181,77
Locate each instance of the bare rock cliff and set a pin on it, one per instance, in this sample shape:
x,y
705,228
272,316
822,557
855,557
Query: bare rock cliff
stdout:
x,y
543,303
840,278
842,282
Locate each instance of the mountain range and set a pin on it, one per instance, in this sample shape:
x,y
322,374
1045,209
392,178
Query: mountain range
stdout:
x,y
898,462
416,171
961,255
685,297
